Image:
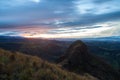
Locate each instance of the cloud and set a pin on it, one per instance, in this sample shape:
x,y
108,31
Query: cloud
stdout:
x,y
93,19
36,1
62,17
96,6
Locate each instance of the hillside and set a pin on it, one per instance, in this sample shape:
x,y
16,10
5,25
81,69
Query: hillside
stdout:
x,y
46,49
18,66
78,59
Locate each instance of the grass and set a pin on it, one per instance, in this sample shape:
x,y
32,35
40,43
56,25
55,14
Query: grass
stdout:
x,y
18,66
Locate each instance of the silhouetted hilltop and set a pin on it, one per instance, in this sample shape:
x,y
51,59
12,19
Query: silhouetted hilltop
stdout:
x,y
79,60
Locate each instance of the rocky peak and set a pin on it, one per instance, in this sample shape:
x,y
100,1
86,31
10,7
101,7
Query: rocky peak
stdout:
x,y
79,60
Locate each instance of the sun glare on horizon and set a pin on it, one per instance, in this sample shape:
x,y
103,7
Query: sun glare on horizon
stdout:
x,y
37,36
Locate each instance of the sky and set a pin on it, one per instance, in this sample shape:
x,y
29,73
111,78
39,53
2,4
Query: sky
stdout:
x,y
60,18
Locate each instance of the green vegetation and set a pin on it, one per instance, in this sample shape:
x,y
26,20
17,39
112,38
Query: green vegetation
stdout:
x,y
18,66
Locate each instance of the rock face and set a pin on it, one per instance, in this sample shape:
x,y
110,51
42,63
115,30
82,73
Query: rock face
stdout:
x,y
79,60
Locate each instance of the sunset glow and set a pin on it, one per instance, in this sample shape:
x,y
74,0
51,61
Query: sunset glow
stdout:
x,y
37,36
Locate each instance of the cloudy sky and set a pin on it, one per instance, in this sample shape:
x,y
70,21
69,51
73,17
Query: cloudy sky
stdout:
x,y
60,18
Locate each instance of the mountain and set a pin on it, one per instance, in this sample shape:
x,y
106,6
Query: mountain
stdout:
x,y
18,66
76,64
51,50
78,59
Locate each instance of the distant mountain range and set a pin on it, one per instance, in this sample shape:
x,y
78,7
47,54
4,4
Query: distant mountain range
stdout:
x,y
111,38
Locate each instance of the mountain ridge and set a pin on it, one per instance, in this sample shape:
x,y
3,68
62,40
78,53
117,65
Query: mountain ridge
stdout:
x,y
78,59
18,66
